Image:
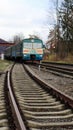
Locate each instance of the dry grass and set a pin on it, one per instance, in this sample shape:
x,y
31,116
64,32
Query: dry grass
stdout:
x,y
4,64
54,58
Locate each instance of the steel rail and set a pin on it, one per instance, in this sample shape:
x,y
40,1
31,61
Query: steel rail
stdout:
x,y
18,119
56,63
60,69
58,66
67,99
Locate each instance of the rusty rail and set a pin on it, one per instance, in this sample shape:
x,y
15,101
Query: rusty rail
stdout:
x,y
55,68
67,99
17,116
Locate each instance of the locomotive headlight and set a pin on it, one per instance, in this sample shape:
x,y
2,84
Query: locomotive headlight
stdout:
x,y
40,55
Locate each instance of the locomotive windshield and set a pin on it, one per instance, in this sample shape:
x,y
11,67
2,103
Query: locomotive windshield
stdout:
x,y
33,45
28,45
37,45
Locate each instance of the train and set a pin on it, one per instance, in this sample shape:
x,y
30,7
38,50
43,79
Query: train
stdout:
x,y
29,49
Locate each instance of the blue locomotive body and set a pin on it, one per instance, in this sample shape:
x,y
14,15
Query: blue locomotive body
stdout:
x,y
27,49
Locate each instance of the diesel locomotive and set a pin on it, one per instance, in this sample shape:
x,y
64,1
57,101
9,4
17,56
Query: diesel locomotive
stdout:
x,y
30,49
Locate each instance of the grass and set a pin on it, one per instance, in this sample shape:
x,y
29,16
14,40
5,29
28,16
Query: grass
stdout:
x,y
54,58
4,64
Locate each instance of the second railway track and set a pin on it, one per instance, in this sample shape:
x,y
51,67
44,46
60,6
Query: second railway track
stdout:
x,y
64,69
40,110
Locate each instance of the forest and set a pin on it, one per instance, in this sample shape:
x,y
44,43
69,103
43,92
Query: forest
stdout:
x,y
61,37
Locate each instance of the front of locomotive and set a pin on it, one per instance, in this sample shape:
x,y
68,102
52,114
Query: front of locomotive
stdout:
x,y
32,50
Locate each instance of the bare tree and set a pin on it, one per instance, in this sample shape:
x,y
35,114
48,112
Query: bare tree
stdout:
x,y
66,13
18,38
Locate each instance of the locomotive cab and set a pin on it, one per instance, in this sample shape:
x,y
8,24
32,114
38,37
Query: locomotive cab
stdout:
x,y
32,49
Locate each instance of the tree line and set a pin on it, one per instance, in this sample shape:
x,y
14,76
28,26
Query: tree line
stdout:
x,y
64,29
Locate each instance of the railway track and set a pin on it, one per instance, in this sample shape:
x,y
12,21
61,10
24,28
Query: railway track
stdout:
x,y
10,118
41,107
58,64
65,69
6,119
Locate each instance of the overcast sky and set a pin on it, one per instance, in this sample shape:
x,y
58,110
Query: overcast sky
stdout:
x,y
26,17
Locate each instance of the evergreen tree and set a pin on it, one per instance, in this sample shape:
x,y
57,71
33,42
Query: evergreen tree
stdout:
x,y
66,22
